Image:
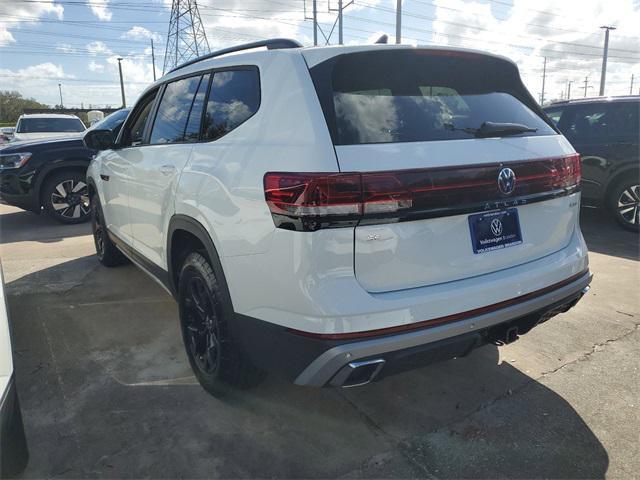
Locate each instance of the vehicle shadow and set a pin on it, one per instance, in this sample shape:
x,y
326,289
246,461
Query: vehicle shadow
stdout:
x,y
23,226
604,235
106,391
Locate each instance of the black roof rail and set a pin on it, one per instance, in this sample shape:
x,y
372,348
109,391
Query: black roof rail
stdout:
x,y
271,44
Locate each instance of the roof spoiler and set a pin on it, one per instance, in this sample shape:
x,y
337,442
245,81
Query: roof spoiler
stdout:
x,y
271,44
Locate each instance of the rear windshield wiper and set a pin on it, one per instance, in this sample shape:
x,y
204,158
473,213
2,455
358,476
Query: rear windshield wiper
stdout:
x,y
492,129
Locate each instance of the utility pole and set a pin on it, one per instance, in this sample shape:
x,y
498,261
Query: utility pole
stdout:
x,y
631,87
586,85
153,60
60,89
544,78
603,75
315,22
124,103
569,89
399,22
340,22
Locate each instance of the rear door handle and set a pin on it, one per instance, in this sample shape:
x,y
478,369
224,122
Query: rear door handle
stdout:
x,y
104,177
167,169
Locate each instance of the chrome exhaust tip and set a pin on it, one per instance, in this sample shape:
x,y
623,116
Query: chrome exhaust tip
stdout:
x,y
356,374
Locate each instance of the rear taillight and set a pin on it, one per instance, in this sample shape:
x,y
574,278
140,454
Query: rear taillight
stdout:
x,y
310,201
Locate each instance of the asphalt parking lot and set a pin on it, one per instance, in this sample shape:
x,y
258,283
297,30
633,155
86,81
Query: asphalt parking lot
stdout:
x,y
106,389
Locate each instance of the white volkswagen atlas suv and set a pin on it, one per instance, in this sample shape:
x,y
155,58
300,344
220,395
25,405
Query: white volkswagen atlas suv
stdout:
x,y
339,214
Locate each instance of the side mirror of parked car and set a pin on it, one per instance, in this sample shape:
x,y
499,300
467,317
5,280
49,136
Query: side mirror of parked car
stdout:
x,y
99,140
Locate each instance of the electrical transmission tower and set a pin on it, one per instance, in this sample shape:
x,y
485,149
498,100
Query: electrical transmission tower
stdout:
x,y
186,38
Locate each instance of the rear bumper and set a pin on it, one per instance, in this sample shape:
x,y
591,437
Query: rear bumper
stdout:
x,y
335,365
322,360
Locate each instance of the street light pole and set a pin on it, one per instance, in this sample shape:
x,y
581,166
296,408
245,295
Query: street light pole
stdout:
x,y
399,22
605,54
60,89
315,22
153,60
124,103
544,78
340,22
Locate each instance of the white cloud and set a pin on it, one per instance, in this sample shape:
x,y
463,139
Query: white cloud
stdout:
x,y
25,12
561,31
141,33
38,81
97,47
96,67
100,9
64,47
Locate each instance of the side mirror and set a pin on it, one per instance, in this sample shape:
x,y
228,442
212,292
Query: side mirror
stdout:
x,y
99,140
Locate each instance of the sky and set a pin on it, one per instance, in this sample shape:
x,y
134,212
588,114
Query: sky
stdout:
x,y
76,43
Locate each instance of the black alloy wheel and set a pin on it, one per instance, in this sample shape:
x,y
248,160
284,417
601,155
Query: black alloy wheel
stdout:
x,y
65,197
215,357
624,203
107,253
202,327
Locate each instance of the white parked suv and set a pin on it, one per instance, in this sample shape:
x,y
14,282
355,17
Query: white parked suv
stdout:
x,y
339,214
39,126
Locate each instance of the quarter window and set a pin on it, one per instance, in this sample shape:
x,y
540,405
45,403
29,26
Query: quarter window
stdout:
x,y
233,98
174,112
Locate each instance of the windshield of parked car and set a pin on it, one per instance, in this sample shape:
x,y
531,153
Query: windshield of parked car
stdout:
x,y
422,95
112,122
46,125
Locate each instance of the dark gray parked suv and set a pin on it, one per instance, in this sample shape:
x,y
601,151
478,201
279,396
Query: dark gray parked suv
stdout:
x,y
606,133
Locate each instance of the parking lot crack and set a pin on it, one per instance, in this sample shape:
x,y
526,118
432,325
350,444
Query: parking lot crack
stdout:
x,y
595,348
598,347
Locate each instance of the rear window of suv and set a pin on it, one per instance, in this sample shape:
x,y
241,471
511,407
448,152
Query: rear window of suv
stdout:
x,y
419,95
47,125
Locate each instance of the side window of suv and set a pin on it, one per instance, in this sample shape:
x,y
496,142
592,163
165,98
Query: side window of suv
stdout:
x,y
600,121
180,111
233,98
134,130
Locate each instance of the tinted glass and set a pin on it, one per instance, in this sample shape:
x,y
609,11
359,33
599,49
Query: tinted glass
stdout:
x,y
554,115
43,125
192,131
234,97
135,135
410,96
173,111
112,122
597,121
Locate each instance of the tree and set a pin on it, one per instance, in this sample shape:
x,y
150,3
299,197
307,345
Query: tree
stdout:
x,y
12,105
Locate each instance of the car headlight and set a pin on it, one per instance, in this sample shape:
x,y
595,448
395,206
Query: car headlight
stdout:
x,y
13,160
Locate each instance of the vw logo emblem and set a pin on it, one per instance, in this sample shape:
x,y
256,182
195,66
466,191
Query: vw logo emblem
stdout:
x,y
506,181
496,227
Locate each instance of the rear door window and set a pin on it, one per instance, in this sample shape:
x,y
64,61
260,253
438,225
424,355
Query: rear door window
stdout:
x,y
175,110
600,121
233,98
417,95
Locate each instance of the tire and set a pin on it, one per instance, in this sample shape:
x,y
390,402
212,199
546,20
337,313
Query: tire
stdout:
x,y
624,204
107,253
65,197
215,358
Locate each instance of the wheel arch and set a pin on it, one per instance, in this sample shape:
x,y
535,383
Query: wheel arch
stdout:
x,y
54,169
630,171
180,228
